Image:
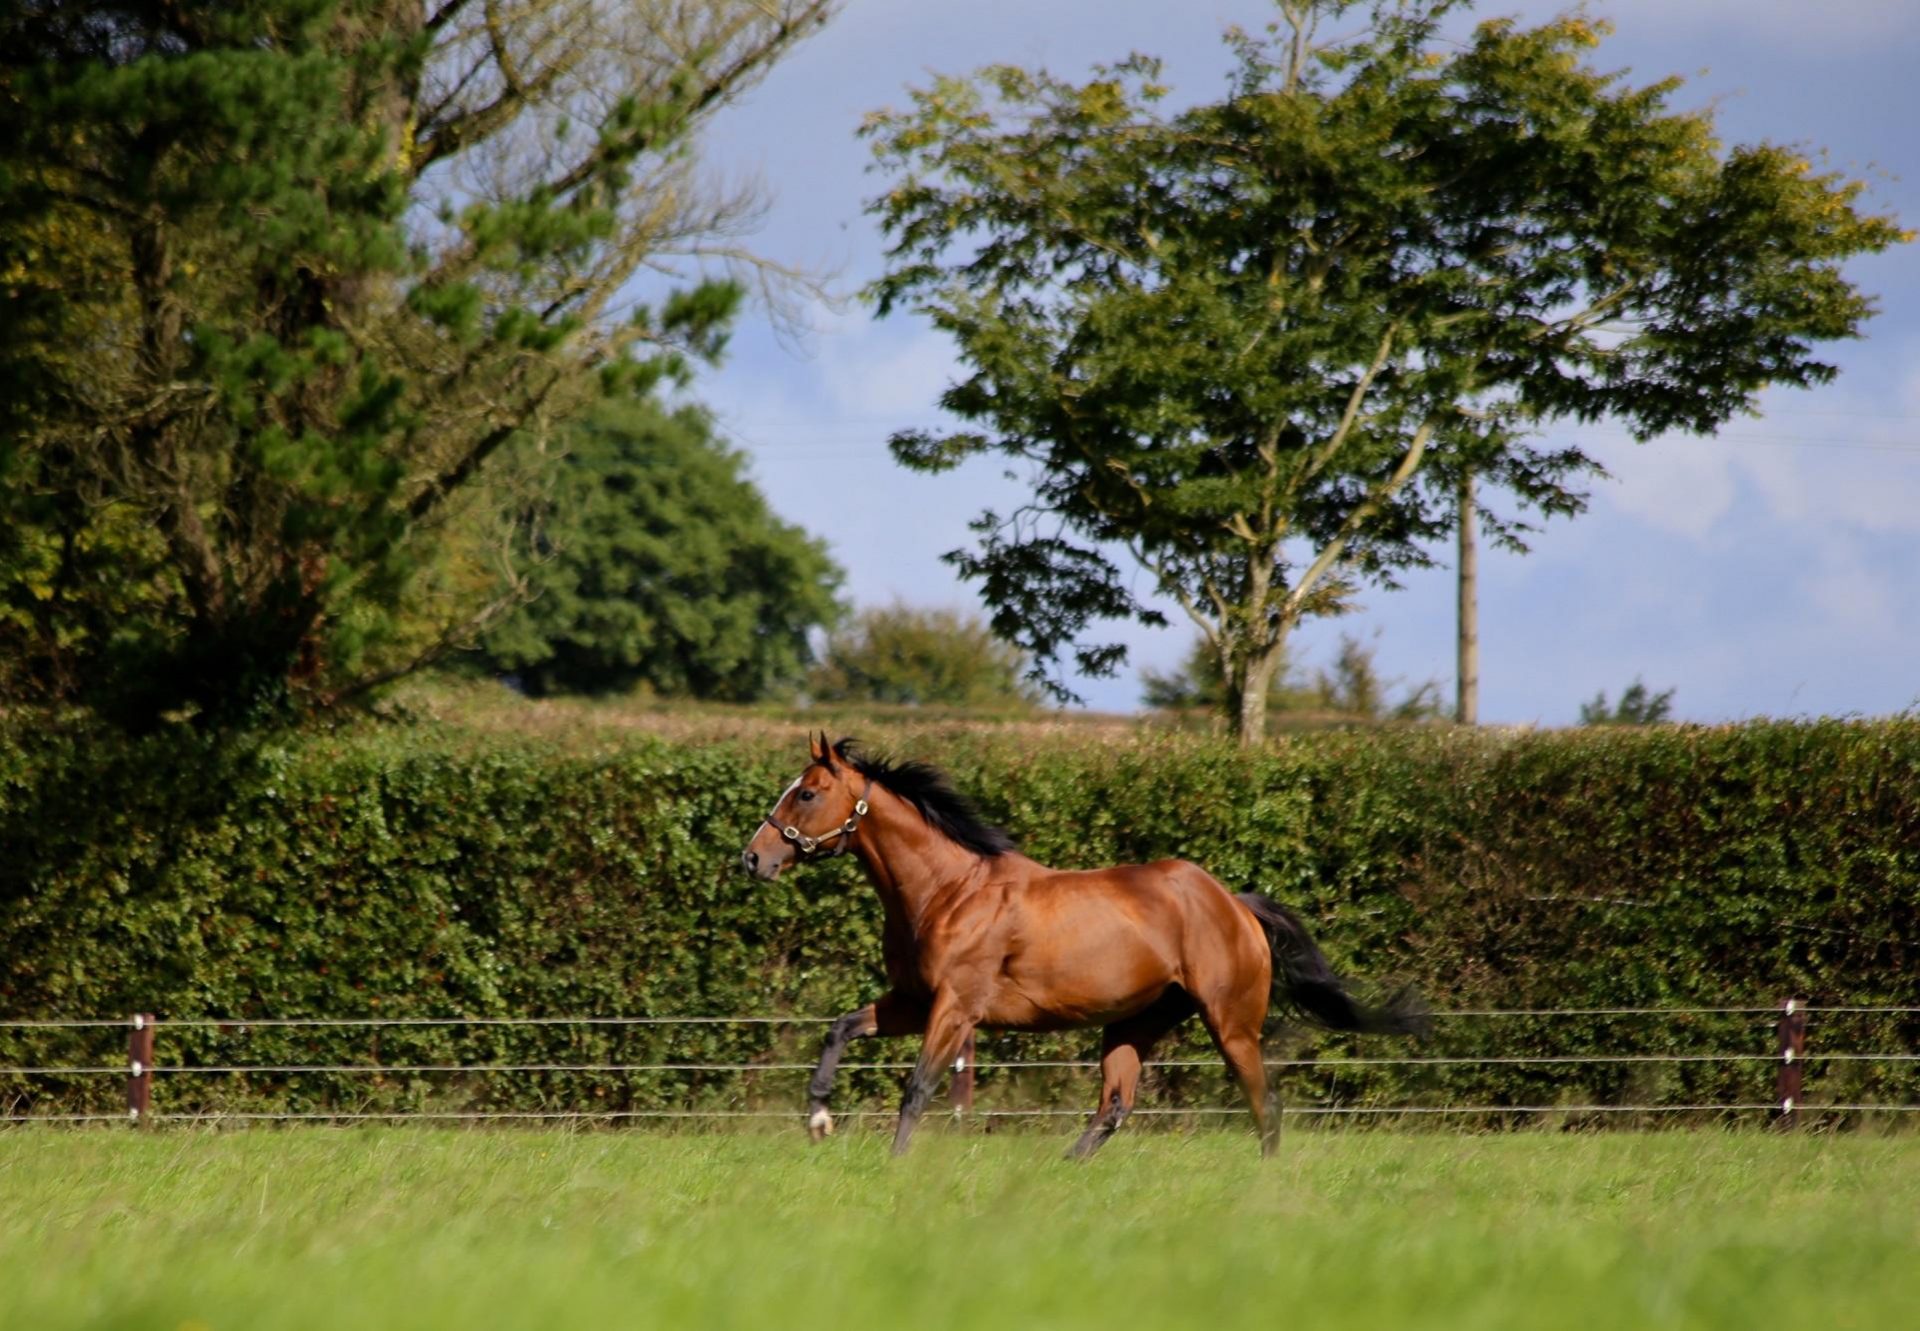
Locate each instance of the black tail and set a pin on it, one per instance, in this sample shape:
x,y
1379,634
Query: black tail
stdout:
x,y
1303,981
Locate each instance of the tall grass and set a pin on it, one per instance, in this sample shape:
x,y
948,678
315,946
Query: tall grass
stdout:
x,y
273,1231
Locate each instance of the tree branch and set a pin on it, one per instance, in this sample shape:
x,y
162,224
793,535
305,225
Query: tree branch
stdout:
x,y
1587,318
1336,548
451,637
445,14
443,140
714,90
1317,460
1208,628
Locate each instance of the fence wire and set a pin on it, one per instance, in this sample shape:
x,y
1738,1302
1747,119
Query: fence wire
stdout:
x,y
240,1026
235,1025
984,1066
1200,1111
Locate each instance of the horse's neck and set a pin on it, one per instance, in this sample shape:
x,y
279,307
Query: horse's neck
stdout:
x,y
910,864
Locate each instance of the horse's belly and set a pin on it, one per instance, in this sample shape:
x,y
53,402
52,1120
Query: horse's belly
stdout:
x,y
1021,1014
1048,989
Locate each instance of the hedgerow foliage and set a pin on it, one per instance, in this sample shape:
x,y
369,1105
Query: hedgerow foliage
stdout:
x,y
420,872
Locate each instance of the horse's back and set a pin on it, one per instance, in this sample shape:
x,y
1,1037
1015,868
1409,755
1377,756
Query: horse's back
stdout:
x,y
1090,946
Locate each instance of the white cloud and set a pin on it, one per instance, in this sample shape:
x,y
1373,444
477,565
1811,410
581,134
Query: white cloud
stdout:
x,y
1851,463
1850,593
890,374
1683,486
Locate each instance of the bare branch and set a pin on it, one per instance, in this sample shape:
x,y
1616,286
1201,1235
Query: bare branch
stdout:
x,y
1335,549
1318,459
455,635
445,14
728,81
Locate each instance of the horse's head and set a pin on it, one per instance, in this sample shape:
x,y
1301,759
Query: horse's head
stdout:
x,y
815,817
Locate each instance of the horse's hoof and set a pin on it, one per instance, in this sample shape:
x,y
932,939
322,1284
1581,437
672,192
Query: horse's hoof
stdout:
x,y
820,1125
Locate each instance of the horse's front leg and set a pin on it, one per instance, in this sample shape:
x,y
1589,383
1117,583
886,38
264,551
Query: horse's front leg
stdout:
x,y
948,1026
888,1015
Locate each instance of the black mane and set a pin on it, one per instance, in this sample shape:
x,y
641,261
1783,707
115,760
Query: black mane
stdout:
x,y
927,789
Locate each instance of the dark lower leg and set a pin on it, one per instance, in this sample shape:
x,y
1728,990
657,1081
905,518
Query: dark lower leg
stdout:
x,y
887,1015
947,1032
844,1031
920,1089
1124,1049
1104,1125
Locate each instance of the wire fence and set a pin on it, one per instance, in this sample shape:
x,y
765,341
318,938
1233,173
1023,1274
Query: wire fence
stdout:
x,y
1789,1055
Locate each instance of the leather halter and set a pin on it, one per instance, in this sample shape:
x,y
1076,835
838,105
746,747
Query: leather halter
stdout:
x,y
808,847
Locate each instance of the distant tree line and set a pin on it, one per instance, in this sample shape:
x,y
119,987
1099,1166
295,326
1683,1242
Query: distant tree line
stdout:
x,y
1350,688
321,360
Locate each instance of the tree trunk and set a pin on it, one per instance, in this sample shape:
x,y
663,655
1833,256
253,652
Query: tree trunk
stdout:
x,y
1256,684
1467,708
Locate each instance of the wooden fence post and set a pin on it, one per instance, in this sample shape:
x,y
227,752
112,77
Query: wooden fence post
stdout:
x,y
963,1079
139,1067
1793,1055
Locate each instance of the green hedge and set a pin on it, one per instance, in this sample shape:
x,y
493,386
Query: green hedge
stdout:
x,y
418,872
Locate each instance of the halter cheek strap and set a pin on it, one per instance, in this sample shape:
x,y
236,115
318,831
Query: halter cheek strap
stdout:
x,y
808,847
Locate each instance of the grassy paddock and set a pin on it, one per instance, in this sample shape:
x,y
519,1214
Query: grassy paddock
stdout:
x,y
421,1228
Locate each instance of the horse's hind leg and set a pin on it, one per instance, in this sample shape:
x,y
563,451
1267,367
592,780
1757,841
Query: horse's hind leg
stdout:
x,y
1119,1080
1125,1047
1236,1030
1242,1052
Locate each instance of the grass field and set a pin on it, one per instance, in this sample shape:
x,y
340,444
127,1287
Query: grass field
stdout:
x,y
419,1228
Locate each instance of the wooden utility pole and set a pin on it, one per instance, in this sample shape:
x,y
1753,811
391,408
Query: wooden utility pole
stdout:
x,y
1467,669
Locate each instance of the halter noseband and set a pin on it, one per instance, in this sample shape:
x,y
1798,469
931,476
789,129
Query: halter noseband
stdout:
x,y
808,847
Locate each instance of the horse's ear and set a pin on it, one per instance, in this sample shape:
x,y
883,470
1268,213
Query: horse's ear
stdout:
x,y
817,746
824,753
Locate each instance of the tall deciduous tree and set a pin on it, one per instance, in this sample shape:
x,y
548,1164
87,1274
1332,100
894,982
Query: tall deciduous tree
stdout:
x,y
1254,344
665,569
282,276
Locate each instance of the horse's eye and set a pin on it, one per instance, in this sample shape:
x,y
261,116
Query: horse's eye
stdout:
x,y
805,795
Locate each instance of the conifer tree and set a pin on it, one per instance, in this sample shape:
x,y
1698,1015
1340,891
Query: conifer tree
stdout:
x,y
282,276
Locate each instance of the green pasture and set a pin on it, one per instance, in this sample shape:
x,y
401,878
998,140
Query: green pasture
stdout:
x,y
423,1228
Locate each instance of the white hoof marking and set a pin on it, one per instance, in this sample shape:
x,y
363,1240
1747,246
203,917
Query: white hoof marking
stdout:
x,y
820,1124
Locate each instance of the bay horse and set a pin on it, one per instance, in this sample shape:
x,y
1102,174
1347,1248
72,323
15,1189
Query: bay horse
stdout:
x,y
978,936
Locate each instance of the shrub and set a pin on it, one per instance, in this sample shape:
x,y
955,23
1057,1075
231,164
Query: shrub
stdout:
x,y
412,872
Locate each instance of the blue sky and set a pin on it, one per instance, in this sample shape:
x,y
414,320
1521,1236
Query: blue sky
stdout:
x,y
1768,571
